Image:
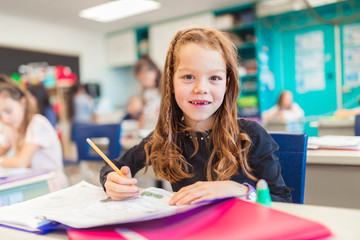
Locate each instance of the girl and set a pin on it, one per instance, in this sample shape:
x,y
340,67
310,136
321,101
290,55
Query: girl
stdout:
x,y
31,136
285,109
40,97
198,144
149,76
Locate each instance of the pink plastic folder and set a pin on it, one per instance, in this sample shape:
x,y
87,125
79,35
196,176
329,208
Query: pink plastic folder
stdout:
x,y
232,219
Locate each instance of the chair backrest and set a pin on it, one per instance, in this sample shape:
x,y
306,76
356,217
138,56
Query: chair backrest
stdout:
x,y
292,157
357,125
98,131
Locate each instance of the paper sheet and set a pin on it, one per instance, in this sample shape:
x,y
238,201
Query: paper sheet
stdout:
x,y
85,205
334,142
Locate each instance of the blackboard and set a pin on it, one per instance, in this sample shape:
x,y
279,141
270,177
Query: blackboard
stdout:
x,y
12,58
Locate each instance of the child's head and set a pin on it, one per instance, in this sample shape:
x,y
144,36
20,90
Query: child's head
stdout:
x,y
135,107
16,109
147,72
200,79
40,96
285,99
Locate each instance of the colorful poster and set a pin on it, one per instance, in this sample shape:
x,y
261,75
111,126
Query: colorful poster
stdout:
x,y
309,62
351,55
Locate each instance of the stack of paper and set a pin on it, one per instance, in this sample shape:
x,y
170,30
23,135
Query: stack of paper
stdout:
x,y
334,142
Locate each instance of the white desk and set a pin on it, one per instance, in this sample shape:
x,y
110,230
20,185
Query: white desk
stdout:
x,y
344,223
281,126
24,186
333,178
336,126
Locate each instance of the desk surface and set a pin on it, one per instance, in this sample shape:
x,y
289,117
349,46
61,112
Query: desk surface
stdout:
x,y
343,222
333,157
37,177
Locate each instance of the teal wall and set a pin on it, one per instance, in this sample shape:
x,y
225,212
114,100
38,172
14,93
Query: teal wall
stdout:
x,y
272,34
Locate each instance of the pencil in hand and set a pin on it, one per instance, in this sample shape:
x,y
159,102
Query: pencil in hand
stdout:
x,y
112,165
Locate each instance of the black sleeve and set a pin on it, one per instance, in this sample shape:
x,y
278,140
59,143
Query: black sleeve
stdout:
x,y
134,158
265,163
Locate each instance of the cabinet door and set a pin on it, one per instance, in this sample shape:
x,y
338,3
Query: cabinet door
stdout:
x,y
121,49
350,40
160,35
308,66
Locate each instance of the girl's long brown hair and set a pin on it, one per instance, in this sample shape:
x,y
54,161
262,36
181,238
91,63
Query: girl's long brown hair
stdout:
x,y
230,146
9,88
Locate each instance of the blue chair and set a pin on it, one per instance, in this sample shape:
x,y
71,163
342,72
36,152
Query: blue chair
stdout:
x,y
292,157
357,125
96,131
106,137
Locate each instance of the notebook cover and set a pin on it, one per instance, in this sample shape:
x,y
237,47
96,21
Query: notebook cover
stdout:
x,y
233,219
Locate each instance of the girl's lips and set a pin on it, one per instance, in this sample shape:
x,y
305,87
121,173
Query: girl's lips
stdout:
x,y
200,102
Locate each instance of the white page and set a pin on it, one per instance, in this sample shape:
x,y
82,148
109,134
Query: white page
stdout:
x,y
334,141
83,206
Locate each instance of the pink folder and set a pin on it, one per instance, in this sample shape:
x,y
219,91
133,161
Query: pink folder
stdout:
x,y
232,219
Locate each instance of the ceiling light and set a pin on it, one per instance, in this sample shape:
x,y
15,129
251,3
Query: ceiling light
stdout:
x,y
115,10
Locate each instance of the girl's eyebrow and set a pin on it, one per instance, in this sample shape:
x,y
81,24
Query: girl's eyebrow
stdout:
x,y
190,69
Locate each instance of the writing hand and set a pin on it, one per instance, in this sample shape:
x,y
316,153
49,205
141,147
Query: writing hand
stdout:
x,y
118,187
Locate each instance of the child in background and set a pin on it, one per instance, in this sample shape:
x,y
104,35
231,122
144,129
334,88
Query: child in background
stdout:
x,y
80,105
149,75
198,144
41,98
134,108
347,113
286,110
34,140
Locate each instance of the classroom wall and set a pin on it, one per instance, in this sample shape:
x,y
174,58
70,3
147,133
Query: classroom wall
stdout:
x,y
279,31
90,46
42,36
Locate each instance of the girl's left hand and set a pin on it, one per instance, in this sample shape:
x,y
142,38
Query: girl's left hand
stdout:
x,y
201,191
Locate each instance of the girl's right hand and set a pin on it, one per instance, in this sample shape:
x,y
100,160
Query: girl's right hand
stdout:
x,y
118,187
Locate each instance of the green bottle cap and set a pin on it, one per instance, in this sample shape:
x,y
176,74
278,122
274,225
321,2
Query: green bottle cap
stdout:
x,y
263,193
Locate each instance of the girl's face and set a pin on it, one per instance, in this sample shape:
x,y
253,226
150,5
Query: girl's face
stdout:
x,y
287,100
199,84
12,112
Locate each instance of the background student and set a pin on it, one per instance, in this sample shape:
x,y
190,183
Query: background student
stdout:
x,y
149,76
41,99
345,113
198,144
81,105
285,110
134,108
31,136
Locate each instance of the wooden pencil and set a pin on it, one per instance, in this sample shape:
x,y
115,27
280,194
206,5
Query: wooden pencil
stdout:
x,y
112,165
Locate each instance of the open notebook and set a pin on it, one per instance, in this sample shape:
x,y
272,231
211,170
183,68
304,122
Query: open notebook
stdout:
x,y
149,216
85,205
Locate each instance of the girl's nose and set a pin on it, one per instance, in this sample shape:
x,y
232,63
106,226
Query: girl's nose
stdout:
x,y
201,88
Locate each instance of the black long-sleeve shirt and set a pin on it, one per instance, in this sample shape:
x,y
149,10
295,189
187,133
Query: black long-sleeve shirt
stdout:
x,y
261,157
